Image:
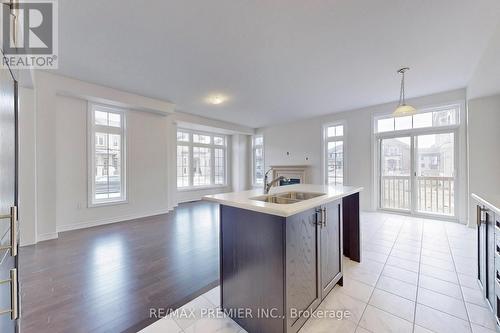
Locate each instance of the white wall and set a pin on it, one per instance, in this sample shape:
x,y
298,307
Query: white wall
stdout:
x,y
60,110
486,78
484,149
241,162
303,139
483,108
53,156
146,167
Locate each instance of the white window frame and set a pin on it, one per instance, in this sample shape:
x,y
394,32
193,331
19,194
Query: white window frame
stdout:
x,y
326,140
92,129
190,144
254,147
412,132
457,108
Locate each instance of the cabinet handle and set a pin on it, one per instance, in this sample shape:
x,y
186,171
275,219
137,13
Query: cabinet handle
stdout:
x,y
319,216
483,210
13,295
13,231
324,216
497,224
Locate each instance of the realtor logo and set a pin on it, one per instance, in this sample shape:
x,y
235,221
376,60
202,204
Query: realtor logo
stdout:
x,y
29,34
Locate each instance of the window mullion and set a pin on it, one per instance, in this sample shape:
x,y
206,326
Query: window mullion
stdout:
x,y
212,166
191,166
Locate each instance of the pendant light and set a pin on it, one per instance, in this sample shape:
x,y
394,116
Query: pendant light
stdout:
x,y
403,109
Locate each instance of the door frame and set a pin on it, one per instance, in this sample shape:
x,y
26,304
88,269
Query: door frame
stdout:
x,y
413,133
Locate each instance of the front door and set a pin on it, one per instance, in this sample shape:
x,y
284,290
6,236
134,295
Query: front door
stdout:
x,y
9,291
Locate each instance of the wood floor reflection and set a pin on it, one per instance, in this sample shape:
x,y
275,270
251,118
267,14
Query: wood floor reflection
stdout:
x,y
106,279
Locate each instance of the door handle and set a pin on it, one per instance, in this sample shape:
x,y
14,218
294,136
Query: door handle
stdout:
x,y
13,231
14,314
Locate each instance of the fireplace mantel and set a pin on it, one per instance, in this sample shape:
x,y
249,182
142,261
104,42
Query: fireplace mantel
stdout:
x,y
291,171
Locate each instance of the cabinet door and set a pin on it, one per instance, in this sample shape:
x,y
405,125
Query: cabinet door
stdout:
x,y
302,280
331,254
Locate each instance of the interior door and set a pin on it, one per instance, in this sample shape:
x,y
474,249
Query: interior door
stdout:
x,y
331,245
9,291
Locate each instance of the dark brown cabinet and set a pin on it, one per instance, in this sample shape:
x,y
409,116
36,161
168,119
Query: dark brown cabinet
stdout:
x,y
302,266
331,245
488,255
279,268
313,259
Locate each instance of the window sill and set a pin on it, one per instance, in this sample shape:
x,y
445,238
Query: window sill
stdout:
x,y
199,188
108,203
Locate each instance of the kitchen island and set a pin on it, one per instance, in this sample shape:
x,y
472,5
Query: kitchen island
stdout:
x,y
281,253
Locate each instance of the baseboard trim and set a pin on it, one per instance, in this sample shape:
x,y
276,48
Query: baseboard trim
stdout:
x,y
32,242
47,236
117,219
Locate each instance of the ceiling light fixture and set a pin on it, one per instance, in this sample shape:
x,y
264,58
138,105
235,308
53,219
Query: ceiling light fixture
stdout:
x,y
403,109
216,99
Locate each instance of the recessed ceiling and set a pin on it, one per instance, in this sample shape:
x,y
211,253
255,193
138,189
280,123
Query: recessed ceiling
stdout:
x,y
274,60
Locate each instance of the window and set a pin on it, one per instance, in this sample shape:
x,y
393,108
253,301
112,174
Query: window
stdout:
x,y
201,159
107,155
258,159
334,151
444,116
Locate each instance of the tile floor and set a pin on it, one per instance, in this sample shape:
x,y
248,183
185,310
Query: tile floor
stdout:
x,y
417,275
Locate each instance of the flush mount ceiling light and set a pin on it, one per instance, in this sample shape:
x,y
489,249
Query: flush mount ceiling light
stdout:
x,y
216,99
403,109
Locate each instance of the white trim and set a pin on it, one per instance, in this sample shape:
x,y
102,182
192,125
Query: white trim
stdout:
x,y
412,134
110,220
46,237
200,188
324,149
437,108
254,147
190,144
91,130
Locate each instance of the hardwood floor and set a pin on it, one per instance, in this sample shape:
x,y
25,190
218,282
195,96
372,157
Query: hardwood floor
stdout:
x,y
106,279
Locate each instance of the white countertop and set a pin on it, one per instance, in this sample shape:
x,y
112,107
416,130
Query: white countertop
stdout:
x,y
242,199
492,202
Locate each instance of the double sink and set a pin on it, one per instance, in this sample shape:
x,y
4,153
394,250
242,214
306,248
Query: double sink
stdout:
x,y
287,197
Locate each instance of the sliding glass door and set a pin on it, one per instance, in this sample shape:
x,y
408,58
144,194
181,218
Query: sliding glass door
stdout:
x,y
395,177
417,173
435,173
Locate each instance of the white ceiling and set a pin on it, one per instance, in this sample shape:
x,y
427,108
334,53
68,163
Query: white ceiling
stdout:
x,y
276,60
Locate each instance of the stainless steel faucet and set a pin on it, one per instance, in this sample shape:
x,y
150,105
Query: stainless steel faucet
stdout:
x,y
267,186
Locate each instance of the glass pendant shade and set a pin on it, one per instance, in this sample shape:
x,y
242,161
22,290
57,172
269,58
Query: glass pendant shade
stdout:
x,y
404,110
